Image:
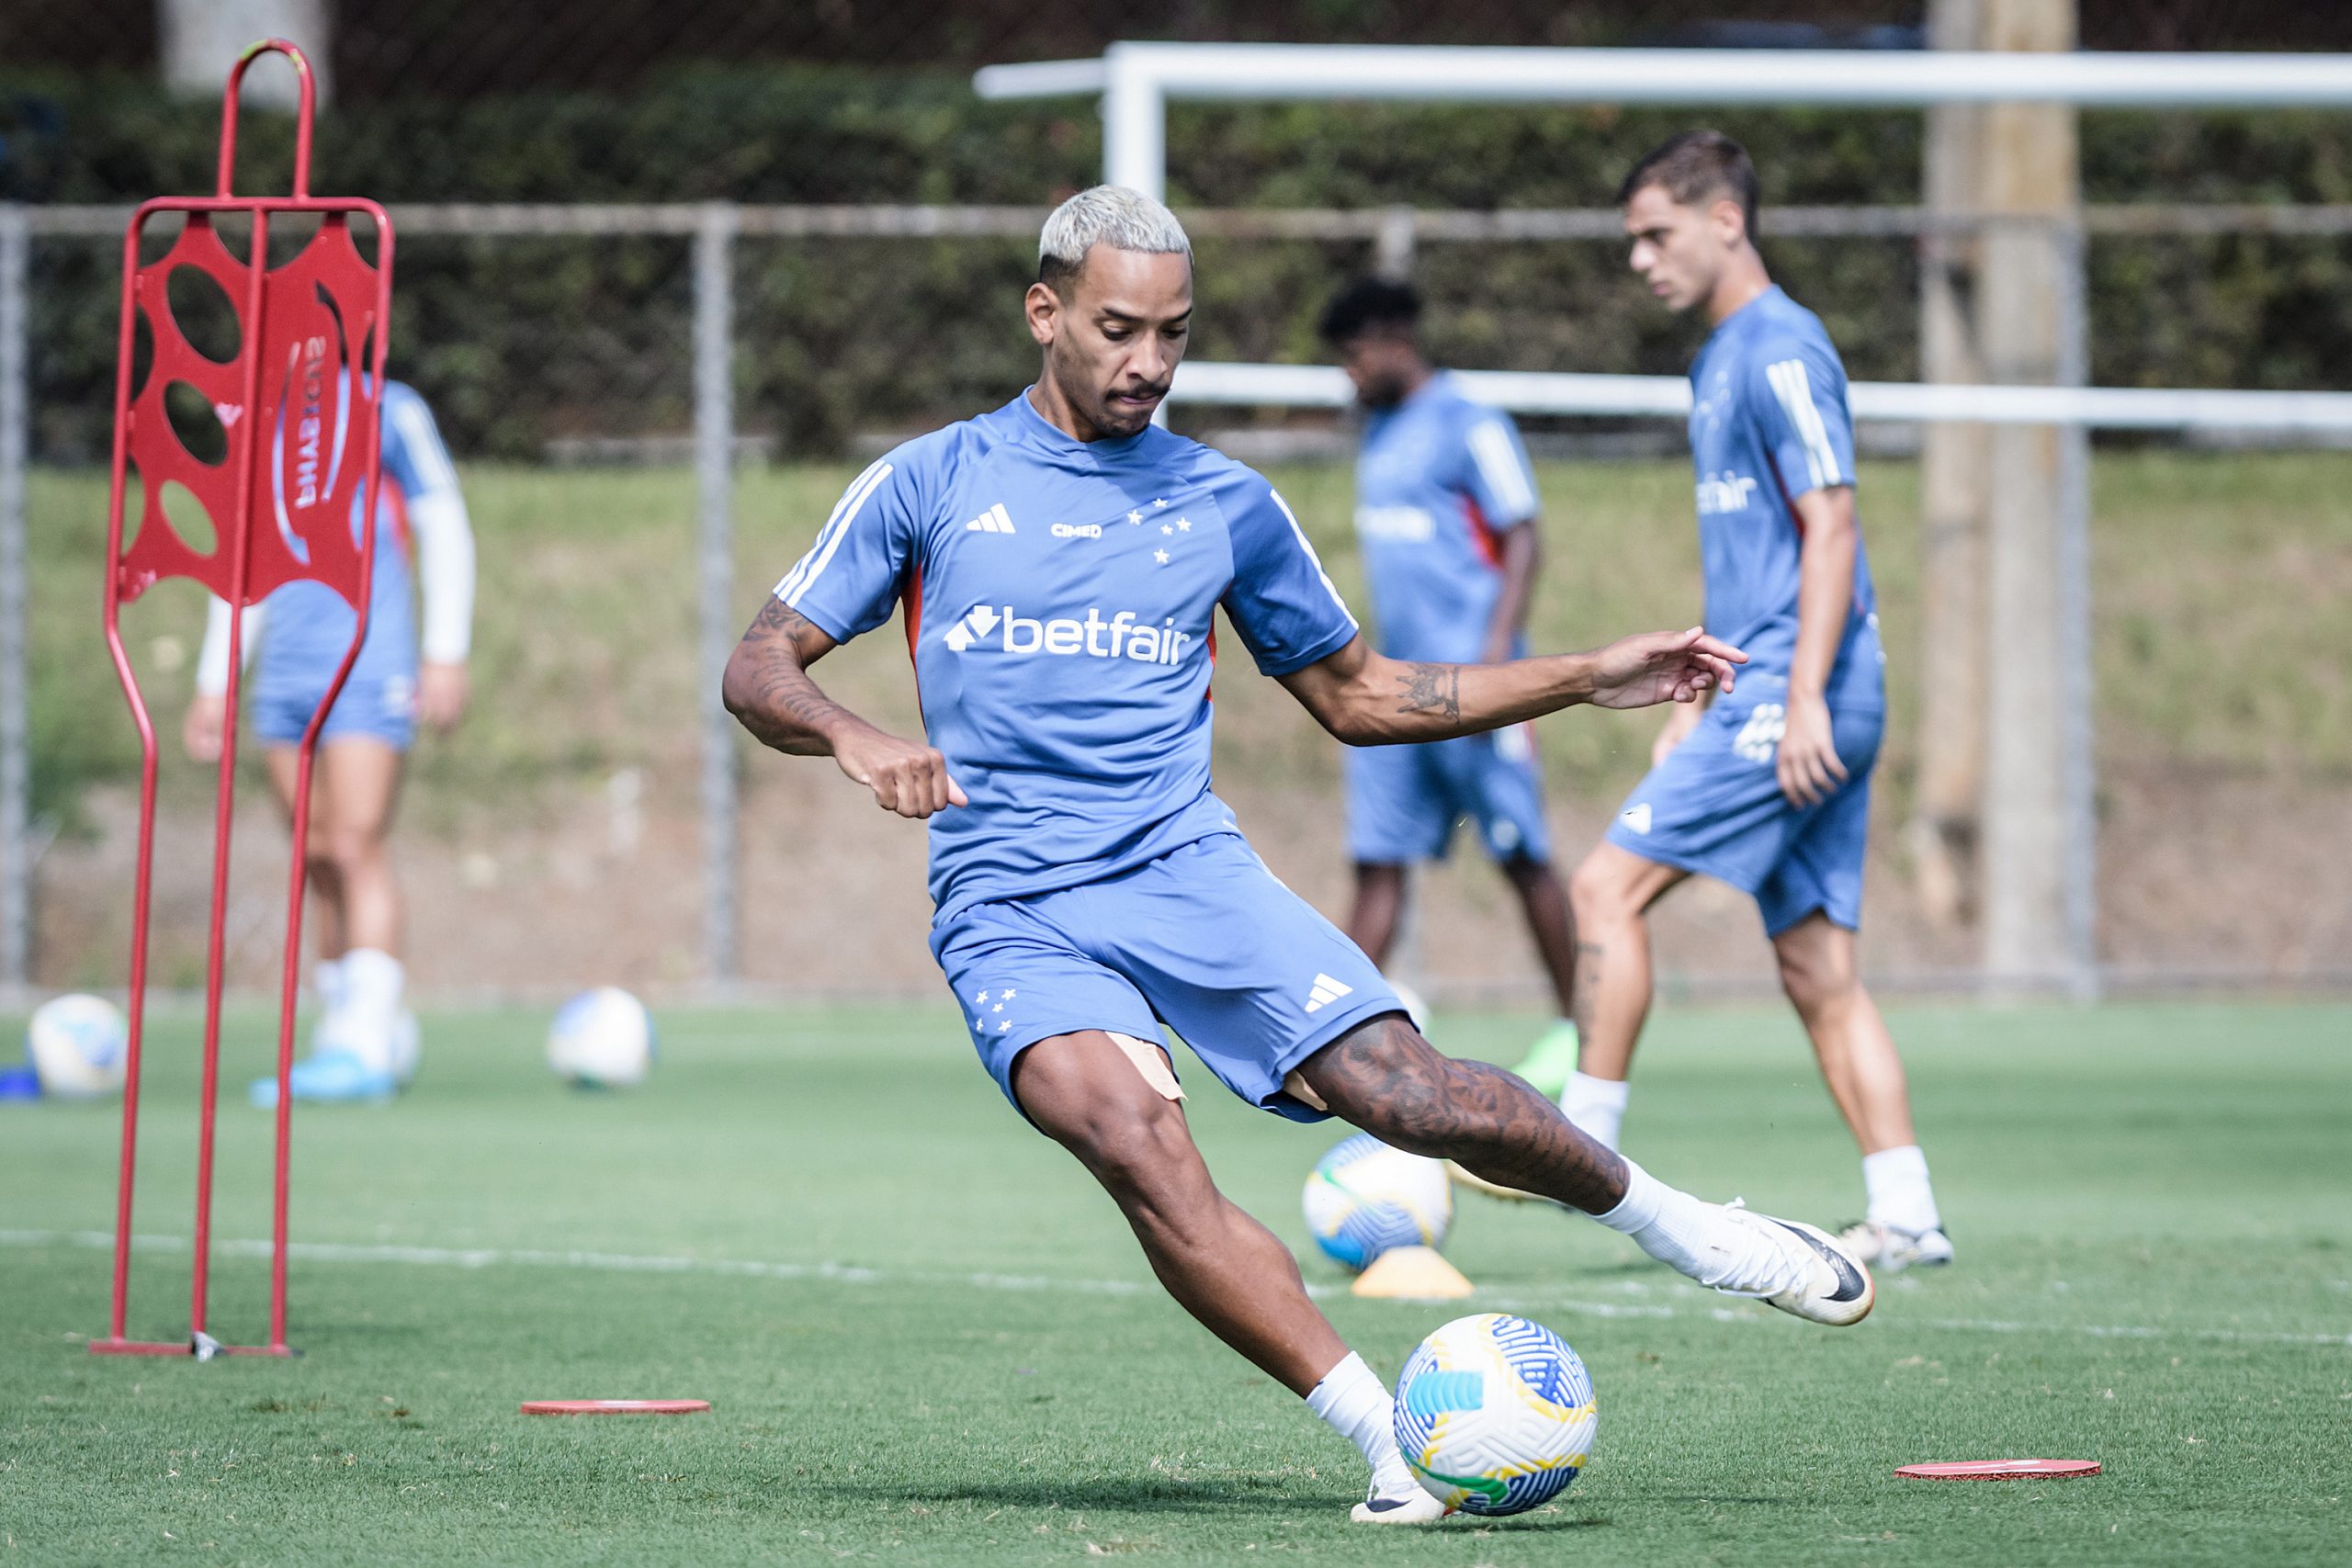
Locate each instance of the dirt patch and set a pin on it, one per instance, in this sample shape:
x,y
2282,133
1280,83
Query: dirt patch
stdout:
x,y
2202,873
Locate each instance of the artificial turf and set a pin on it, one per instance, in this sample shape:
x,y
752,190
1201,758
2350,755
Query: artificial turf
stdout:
x,y
928,1339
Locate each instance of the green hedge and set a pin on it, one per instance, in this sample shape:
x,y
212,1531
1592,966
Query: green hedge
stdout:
x,y
519,341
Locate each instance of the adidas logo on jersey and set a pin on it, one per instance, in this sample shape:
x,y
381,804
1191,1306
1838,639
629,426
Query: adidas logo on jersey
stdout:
x,y
1723,492
1325,991
992,520
1119,637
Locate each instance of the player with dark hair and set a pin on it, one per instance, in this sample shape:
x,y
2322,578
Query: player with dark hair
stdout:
x,y
364,1044
1767,788
1447,518
1059,561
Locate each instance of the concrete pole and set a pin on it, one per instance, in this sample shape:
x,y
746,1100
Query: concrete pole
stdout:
x,y
16,741
1953,463
2029,327
715,554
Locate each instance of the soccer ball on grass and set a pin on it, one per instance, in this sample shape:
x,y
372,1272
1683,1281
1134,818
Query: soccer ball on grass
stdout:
x,y
1495,1413
76,1046
1363,1198
602,1039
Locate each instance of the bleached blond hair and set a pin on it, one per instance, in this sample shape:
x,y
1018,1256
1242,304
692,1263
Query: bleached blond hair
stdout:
x,y
1105,215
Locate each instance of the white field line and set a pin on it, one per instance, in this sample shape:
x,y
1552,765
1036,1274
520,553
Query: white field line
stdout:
x,y
849,1274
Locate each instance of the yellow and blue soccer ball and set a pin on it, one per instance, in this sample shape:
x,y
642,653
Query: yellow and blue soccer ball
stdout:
x,y
1495,1413
1363,1198
78,1045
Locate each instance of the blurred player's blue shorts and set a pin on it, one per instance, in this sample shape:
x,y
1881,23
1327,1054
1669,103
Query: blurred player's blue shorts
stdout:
x,y
1714,806
1204,940
378,703
1404,801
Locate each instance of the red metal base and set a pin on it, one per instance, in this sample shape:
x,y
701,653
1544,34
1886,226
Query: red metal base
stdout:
x,y
181,1347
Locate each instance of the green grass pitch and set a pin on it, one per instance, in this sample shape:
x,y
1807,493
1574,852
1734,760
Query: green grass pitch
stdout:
x,y
928,1339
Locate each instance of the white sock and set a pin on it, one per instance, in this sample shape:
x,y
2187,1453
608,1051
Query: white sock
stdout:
x,y
1596,1105
1896,1180
1358,1406
326,979
1665,1222
372,981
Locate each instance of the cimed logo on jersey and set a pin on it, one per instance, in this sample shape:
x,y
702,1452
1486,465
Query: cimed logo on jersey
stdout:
x,y
1123,636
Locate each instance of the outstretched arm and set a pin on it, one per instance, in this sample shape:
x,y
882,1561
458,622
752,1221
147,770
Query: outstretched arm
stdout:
x,y
1365,699
768,690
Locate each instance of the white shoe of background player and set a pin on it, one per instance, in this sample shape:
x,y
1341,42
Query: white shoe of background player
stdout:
x,y
1893,1249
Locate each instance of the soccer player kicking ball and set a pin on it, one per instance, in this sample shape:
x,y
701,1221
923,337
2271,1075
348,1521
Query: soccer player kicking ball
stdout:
x,y
1446,513
1059,560
364,1044
1768,789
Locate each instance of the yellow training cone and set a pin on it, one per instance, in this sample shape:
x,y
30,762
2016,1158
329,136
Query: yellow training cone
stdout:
x,y
1412,1274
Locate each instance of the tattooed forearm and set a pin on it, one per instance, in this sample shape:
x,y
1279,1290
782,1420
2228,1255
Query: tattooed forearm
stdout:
x,y
1431,688
1395,1085
767,686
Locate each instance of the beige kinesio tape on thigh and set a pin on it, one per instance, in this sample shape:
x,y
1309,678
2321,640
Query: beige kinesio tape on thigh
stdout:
x,y
1152,1063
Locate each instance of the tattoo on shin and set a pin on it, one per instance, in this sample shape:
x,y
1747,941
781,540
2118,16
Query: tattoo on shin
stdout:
x,y
1395,1085
1587,986
1431,688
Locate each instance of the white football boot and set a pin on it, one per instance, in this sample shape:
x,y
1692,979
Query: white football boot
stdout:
x,y
1894,1249
1800,1269
1416,1508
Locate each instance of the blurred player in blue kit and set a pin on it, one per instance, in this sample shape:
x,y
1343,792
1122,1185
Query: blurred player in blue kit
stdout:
x,y
1448,520
364,1044
1767,787
1059,561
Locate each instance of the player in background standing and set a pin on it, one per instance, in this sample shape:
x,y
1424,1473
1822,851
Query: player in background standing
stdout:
x,y
1059,561
364,1045
1767,788
1447,515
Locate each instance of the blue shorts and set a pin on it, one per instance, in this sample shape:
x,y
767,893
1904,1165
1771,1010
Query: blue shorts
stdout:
x,y
378,703
1404,801
1204,940
1714,807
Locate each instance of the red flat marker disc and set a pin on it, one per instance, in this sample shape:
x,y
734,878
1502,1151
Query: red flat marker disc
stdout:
x,y
2002,1469
615,1406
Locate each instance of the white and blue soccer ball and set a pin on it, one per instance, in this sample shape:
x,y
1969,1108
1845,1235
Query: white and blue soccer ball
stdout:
x,y
1495,1413
77,1045
602,1039
1364,1198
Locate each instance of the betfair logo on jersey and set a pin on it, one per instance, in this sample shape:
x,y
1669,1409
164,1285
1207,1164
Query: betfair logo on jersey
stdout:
x,y
1723,492
1119,637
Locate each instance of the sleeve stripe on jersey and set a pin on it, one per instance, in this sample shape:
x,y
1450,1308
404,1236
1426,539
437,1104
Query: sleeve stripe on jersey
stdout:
x,y
423,444
1505,474
1794,389
1317,561
797,581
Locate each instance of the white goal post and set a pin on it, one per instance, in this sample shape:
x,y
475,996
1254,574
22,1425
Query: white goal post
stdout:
x,y
1137,82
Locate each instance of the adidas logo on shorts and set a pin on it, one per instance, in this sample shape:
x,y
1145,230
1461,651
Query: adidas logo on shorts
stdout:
x,y
1636,818
1325,991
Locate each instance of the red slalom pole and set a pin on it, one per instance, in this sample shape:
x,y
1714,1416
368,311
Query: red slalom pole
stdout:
x,y
310,362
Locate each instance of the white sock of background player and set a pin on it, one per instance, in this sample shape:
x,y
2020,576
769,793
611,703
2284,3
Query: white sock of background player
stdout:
x,y
1900,1197
326,979
1596,1105
1358,1406
372,981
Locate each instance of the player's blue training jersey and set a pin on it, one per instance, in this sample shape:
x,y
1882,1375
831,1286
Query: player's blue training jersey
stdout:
x,y
1060,596
1768,422
310,626
1441,476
